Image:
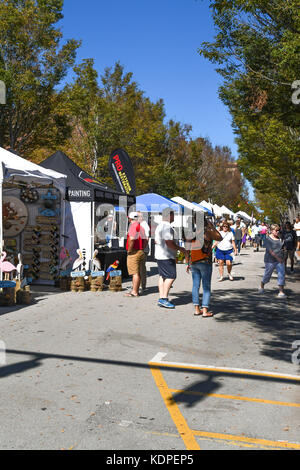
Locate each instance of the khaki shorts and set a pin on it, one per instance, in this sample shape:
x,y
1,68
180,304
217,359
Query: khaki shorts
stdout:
x,y
134,260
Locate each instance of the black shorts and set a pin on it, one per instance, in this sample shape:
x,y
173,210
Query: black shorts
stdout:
x,y
167,268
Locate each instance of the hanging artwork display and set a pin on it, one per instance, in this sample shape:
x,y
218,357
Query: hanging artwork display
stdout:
x,y
15,216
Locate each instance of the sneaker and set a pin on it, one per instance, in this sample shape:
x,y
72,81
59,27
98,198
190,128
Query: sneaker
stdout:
x,y
165,303
230,277
221,279
261,290
281,295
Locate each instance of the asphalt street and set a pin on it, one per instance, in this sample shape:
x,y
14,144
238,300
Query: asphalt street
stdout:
x,y
103,371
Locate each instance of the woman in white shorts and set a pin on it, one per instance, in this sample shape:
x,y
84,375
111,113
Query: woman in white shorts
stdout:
x,y
224,251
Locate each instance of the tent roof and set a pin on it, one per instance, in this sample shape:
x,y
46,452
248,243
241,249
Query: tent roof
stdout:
x,y
206,204
204,209
15,166
152,202
243,214
227,211
189,205
80,185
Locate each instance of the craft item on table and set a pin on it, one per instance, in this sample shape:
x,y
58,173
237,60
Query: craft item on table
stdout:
x,y
29,247
50,209
8,295
115,282
6,267
111,268
24,295
78,263
20,268
40,219
15,216
95,262
29,195
65,258
78,284
54,231
97,281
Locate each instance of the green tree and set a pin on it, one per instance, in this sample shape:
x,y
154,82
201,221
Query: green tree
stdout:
x,y
32,65
256,50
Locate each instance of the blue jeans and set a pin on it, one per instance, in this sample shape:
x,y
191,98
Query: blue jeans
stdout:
x,y
269,268
201,271
238,245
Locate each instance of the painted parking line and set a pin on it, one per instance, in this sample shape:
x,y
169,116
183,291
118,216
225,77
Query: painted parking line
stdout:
x,y
236,397
188,434
157,361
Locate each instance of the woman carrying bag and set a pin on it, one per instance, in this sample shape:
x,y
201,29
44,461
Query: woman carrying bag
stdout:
x,y
199,260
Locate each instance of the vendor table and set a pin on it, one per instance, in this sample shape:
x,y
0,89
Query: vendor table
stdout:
x,y
108,256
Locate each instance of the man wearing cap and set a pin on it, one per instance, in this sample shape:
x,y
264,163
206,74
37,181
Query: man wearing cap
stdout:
x,y
136,240
165,254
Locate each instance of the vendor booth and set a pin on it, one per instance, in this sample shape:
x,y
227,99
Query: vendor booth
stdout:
x,y
32,217
93,213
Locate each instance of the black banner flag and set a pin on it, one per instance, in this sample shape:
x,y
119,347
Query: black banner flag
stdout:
x,y
122,172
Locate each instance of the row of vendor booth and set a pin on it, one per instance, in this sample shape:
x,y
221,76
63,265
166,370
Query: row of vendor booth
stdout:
x,y
49,211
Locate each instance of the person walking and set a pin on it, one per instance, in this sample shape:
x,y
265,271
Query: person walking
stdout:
x,y
135,254
263,234
199,261
165,254
238,235
297,229
224,250
143,269
256,236
289,238
274,259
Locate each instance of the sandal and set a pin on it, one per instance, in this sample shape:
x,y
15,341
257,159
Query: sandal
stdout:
x,y
208,314
130,294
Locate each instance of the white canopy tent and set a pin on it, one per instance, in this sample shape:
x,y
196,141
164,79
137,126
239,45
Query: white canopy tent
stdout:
x,y
227,211
15,168
244,216
217,210
189,205
208,205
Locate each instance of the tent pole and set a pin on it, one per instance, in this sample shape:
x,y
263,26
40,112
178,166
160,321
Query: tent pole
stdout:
x,y
93,229
1,217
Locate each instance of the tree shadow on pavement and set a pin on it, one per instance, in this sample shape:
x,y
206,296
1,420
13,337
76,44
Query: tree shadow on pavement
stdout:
x,y
278,318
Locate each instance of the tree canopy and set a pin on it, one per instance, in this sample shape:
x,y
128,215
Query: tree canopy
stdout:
x,y
256,50
91,114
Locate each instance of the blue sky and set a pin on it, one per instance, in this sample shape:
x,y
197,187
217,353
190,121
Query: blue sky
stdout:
x,y
157,40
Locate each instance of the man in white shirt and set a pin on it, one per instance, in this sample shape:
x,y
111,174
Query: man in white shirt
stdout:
x,y
165,253
297,228
255,230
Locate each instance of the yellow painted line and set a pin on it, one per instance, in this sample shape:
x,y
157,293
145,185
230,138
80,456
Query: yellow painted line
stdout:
x,y
249,440
174,365
182,427
235,397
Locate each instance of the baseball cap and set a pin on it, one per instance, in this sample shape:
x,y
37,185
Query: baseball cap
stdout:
x,y
133,215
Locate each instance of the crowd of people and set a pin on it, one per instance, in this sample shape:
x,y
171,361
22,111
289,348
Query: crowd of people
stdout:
x,y
210,244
